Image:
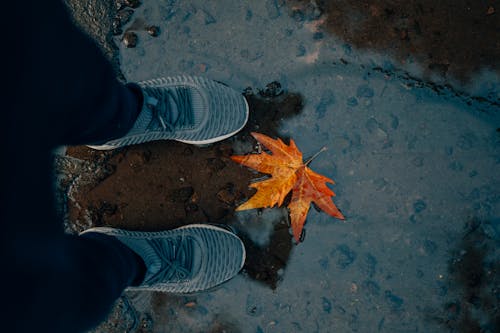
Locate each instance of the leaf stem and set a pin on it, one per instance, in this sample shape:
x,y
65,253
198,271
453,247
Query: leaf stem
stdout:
x,y
315,155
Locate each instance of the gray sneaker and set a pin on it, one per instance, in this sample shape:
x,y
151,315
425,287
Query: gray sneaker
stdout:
x,y
187,259
189,109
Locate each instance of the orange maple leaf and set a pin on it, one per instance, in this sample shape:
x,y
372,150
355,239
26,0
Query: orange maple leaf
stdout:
x,y
289,173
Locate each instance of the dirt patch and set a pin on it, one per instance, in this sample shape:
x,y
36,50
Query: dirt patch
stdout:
x,y
167,184
475,274
453,38
164,185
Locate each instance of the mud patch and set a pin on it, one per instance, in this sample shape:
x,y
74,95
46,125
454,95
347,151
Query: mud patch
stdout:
x,y
449,38
164,185
167,184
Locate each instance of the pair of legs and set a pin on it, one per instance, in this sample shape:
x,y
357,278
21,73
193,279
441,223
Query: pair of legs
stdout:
x,y
61,91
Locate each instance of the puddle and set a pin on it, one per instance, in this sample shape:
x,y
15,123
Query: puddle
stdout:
x,y
448,38
164,185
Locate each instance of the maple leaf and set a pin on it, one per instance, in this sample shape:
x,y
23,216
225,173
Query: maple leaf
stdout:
x,y
288,173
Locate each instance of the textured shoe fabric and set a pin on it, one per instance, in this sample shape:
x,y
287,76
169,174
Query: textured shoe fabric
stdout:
x,y
188,259
189,109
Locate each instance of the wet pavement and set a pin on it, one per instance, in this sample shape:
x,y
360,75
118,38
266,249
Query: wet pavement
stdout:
x,y
414,152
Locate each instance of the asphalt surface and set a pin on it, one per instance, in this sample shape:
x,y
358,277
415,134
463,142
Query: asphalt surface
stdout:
x,y
416,163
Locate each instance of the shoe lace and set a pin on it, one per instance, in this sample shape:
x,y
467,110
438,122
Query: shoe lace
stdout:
x,y
176,257
172,108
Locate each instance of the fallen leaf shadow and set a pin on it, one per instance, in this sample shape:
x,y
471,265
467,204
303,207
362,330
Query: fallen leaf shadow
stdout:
x,y
166,184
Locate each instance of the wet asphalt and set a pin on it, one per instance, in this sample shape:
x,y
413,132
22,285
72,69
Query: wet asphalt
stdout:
x,y
416,164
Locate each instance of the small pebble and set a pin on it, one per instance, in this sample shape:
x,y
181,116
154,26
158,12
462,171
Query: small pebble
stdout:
x,y
132,3
153,30
116,27
124,16
272,89
130,39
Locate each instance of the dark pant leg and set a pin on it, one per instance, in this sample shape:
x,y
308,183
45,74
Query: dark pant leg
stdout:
x,y
65,82
53,282
67,285
110,120
57,88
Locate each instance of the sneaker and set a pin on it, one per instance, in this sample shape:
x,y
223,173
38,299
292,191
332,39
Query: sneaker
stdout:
x,y
192,110
188,259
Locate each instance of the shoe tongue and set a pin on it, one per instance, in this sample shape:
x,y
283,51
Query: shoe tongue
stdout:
x,y
173,111
142,121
